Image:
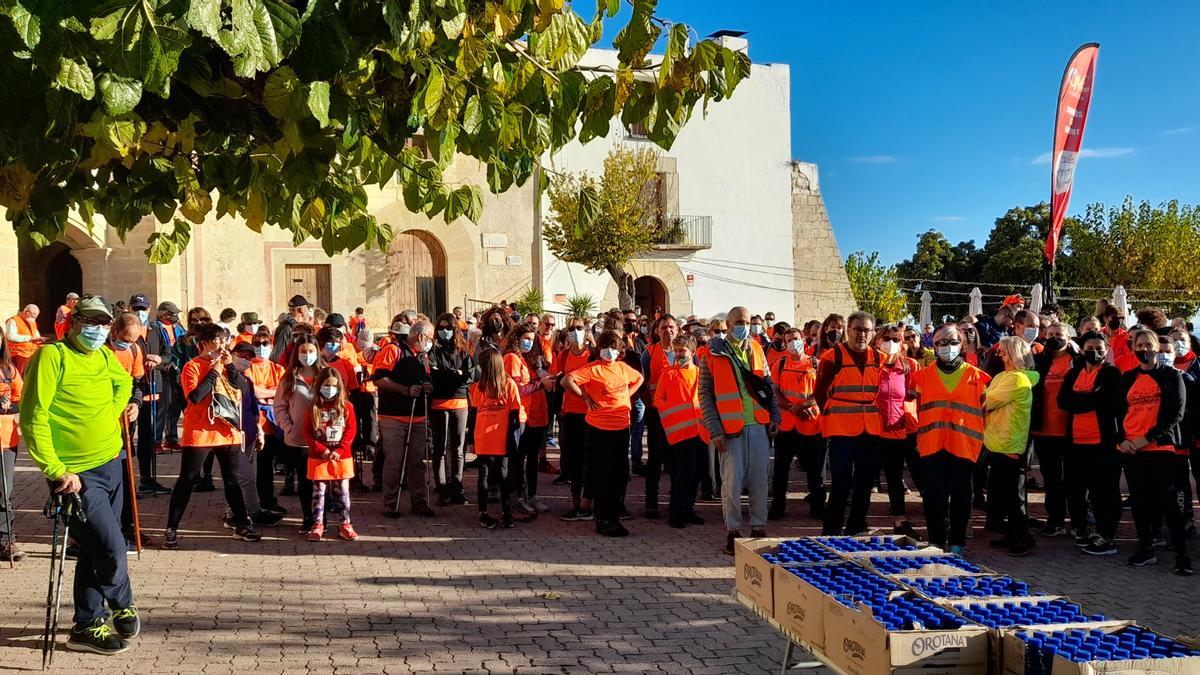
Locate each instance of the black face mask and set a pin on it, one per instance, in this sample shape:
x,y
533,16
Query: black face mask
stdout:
x,y
1146,357
1055,344
496,325
630,327
833,337
1115,323
1093,357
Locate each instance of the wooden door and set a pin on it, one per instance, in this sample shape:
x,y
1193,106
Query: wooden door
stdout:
x,y
416,274
311,281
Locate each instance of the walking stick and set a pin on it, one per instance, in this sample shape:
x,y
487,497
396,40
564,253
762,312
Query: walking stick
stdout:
x,y
8,517
404,458
137,522
153,434
428,451
60,508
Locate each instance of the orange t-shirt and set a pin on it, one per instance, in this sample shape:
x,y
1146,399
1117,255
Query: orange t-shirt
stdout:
x,y
491,420
1143,399
1126,362
198,430
265,374
345,368
1085,429
536,409
10,388
131,360
1054,418
609,385
568,362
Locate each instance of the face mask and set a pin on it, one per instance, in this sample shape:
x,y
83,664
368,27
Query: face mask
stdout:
x,y
890,347
308,358
1164,359
948,353
425,346
93,337
241,364
577,336
143,316
721,334
263,351
253,328
1146,357
630,327
796,346
670,358
833,337
526,345
1093,357
1030,334
644,330
329,393
609,355
332,347
1055,344
497,325
121,345
739,333
756,329
1181,348
445,335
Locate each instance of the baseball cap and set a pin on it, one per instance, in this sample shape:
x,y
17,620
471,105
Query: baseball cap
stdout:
x,y
400,328
93,306
336,320
1014,300
298,301
168,307
250,317
72,295
139,301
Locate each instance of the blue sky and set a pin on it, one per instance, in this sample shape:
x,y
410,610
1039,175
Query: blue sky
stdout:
x,y
939,115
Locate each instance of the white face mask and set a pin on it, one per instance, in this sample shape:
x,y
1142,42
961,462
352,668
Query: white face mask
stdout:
x,y
796,347
1030,333
1165,359
948,353
308,358
328,393
890,348
577,336
609,354
1181,348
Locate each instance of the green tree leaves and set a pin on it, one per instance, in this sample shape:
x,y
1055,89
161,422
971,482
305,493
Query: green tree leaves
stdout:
x,y
876,287
279,113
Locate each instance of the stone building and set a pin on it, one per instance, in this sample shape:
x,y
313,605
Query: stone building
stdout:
x,y
749,227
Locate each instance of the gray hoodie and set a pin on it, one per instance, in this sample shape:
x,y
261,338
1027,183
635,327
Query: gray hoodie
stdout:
x,y
292,411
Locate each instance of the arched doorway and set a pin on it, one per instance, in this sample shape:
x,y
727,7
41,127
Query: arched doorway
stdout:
x,y
650,293
416,267
47,275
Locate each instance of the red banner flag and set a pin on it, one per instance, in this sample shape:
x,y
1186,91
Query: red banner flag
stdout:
x,y
1074,97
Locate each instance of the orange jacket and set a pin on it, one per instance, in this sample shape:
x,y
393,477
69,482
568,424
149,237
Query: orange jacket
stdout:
x,y
850,409
678,403
950,420
726,393
794,380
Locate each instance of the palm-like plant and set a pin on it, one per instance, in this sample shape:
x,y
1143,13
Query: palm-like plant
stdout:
x,y
581,305
530,302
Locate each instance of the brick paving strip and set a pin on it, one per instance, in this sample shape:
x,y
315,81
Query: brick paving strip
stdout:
x,y
442,594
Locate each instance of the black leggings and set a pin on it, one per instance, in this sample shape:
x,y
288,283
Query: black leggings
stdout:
x,y
297,460
948,493
1157,495
493,472
809,452
193,460
523,469
1006,493
608,470
571,442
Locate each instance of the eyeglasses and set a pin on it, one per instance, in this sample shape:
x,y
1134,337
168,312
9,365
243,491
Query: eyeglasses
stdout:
x,y
862,330
948,343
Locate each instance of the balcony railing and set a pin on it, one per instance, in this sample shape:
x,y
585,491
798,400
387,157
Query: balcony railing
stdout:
x,y
685,233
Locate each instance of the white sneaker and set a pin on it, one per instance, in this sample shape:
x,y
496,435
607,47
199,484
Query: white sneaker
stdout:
x,y
526,506
541,506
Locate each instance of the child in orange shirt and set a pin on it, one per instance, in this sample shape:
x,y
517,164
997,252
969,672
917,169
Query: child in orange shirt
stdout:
x,y
499,420
606,388
679,407
329,430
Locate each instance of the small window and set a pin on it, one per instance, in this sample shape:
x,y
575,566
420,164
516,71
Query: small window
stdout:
x,y
638,130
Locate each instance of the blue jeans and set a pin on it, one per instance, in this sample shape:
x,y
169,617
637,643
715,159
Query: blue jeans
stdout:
x,y
102,572
745,463
637,424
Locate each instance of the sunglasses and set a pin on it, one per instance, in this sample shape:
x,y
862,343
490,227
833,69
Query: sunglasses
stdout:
x,y
948,343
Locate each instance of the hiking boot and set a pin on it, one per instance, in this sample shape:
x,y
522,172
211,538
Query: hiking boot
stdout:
x,y
246,533
153,488
423,510
730,539
317,531
1100,546
1143,557
693,519
170,540
758,533
126,622
97,638
488,522
346,532
1183,566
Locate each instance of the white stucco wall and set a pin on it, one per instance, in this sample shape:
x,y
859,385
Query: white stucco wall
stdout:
x,y
733,165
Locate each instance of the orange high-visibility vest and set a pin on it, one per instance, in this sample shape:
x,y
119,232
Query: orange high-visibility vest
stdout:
x,y
850,409
658,363
796,378
28,329
678,405
60,327
950,421
727,393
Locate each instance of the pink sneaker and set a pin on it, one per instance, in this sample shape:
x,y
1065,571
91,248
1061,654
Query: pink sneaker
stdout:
x,y
347,532
316,532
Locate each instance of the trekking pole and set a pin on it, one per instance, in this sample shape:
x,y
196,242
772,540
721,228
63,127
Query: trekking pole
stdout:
x,y
137,522
60,508
428,450
404,459
153,434
8,517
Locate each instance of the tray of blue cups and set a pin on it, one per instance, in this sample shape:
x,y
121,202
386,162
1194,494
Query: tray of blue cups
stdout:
x,y
1025,612
912,564
1105,644
882,544
993,586
800,551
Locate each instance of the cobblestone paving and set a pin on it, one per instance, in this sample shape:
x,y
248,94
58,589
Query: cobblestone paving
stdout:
x,y
442,594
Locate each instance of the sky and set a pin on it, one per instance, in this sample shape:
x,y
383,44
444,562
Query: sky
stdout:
x,y
935,115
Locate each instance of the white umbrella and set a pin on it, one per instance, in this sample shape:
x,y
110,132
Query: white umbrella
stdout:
x,y
1121,300
1035,301
975,307
926,309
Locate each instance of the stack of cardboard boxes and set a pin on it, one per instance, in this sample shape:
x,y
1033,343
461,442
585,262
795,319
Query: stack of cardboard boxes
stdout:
x,y
775,578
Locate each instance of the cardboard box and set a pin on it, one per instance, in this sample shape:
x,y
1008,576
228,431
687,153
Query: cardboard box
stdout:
x,y
858,644
800,608
1014,655
753,578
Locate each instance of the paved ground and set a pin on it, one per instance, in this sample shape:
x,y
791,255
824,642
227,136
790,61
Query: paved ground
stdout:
x,y
442,594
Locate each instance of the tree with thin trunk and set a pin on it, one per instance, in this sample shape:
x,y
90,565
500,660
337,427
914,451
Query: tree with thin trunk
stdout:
x,y
601,222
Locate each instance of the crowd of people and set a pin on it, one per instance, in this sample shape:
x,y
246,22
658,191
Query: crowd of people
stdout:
x,y
723,406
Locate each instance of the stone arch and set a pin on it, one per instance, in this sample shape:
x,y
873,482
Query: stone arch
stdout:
x,y
679,295
459,243
47,274
416,267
